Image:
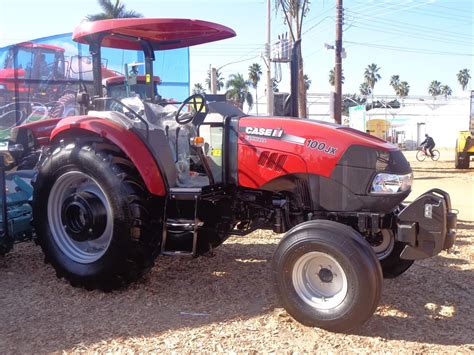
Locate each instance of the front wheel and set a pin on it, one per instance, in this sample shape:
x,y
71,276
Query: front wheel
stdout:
x,y
420,155
436,155
327,275
91,214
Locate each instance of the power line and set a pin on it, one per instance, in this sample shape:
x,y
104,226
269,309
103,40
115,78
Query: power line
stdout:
x,y
393,23
412,35
414,8
409,49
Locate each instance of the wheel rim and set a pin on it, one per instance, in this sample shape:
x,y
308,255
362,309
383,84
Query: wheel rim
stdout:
x,y
384,247
319,280
435,156
80,217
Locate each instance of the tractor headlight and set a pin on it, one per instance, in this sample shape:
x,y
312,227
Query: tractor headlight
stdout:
x,y
384,183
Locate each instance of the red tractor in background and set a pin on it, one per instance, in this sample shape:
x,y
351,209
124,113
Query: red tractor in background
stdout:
x,y
132,180
37,81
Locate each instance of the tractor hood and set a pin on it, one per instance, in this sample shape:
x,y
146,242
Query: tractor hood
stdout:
x,y
337,164
319,143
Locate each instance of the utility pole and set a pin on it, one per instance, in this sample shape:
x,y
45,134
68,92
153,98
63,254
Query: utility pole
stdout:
x,y
338,64
268,62
213,80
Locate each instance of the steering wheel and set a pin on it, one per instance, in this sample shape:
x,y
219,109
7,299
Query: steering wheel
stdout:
x,y
198,105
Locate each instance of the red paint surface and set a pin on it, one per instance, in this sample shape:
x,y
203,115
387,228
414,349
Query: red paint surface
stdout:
x,y
301,158
127,141
163,33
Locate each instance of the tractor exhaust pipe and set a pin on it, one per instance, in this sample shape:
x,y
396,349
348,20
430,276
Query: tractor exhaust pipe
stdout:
x,y
294,79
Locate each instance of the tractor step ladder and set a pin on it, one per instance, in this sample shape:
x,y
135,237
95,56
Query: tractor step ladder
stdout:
x,y
181,225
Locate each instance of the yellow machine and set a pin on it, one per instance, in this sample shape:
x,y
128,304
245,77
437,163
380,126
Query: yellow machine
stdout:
x,y
378,128
465,142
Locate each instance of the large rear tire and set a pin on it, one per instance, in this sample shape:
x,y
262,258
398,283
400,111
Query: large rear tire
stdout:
x,y
461,160
327,276
91,214
436,155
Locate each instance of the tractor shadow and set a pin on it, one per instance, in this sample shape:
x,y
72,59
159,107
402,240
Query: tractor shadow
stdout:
x,y
41,314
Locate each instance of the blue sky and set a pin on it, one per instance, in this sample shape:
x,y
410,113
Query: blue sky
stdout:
x,y
420,40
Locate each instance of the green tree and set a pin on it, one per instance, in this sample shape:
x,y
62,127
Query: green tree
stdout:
x,y
294,11
395,82
365,89
402,90
307,82
111,11
332,77
463,78
371,77
238,90
255,73
219,80
198,89
446,91
434,89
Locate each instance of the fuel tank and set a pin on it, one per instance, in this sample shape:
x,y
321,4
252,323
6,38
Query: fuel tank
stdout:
x,y
329,166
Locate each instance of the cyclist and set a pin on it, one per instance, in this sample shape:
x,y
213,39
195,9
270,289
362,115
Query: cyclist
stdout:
x,y
428,144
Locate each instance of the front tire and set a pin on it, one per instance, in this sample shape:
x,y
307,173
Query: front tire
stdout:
x,y
92,217
420,155
327,276
461,160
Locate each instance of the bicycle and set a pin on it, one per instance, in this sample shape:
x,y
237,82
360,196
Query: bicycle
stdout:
x,y
422,154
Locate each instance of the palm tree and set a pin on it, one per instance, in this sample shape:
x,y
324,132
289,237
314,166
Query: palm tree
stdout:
x,y
371,76
365,89
219,80
402,90
255,72
434,89
307,82
446,91
238,90
395,82
111,11
463,78
198,89
332,77
294,11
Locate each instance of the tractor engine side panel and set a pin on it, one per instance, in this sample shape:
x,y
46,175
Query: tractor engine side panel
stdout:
x,y
332,166
258,165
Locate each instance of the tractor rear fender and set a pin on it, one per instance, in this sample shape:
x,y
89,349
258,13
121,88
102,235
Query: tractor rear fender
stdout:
x,y
129,142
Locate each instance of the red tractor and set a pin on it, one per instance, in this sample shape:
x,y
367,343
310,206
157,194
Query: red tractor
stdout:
x,y
125,183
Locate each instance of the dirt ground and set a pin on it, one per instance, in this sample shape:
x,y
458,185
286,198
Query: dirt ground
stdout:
x,y
226,303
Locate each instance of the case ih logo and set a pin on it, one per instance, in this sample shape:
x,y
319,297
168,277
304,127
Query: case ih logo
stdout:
x,y
263,132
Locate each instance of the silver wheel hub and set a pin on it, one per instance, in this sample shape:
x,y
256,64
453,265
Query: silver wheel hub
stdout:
x,y
80,217
319,280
